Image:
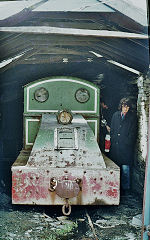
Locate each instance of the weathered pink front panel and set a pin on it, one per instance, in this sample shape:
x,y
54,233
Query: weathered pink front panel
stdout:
x,y
99,187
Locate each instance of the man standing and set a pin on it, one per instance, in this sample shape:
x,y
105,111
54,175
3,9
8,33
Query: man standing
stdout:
x,y
123,132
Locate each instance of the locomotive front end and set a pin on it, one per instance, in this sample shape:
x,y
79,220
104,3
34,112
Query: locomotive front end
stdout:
x,y
61,162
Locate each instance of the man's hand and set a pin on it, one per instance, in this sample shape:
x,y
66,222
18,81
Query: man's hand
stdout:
x,y
108,128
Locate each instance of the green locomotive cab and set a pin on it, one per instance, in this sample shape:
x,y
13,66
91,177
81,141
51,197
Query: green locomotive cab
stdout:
x,y
61,162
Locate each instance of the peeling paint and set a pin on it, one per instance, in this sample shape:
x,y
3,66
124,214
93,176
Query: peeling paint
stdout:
x,y
33,186
143,118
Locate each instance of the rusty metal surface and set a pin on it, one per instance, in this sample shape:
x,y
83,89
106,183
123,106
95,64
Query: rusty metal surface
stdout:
x,y
30,185
88,154
81,174
67,189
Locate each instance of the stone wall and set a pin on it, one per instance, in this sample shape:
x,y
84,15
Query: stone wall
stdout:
x,y
143,83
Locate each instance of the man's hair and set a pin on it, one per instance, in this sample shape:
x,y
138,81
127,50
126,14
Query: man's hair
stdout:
x,y
124,102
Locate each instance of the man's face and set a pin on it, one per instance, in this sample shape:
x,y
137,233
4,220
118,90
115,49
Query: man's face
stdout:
x,y
125,109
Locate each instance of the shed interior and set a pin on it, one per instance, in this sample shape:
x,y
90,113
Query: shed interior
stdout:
x,y
29,52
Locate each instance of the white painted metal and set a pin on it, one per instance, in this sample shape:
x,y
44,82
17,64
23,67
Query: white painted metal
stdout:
x,y
27,130
87,155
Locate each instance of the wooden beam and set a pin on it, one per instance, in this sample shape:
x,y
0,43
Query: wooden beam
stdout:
x,y
106,48
120,50
74,32
48,55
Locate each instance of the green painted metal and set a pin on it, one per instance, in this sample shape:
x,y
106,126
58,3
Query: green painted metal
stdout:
x,y
61,96
31,127
61,91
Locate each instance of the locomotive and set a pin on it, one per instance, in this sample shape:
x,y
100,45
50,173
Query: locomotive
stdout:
x,y
61,162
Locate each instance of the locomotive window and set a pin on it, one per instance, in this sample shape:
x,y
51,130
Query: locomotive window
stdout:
x,y
82,95
41,94
65,138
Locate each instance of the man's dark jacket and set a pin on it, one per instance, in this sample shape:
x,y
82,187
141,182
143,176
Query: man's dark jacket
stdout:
x,y
123,138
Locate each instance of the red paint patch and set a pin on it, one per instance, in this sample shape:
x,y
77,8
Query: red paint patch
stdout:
x,y
97,187
112,183
28,186
112,193
85,185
